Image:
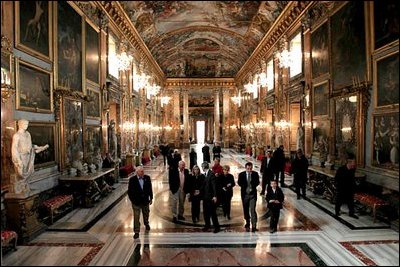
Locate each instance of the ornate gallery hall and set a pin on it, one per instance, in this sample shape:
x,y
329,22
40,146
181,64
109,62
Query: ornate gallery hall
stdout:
x,y
103,100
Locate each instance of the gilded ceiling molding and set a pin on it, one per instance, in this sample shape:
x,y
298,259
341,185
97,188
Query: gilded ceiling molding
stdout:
x,y
289,16
90,11
116,13
200,83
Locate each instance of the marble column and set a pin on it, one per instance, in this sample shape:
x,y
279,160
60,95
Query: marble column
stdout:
x,y
226,107
177,123
217,137
185,118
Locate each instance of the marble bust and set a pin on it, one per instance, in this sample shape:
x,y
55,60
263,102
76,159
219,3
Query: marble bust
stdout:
x,y
78,164
23,156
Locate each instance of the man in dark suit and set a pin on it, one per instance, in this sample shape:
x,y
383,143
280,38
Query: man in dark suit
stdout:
x,y
206,153
209,193
274,199
267,171
299,169
279,165
140,193
179,185
345,186
248,181
216,151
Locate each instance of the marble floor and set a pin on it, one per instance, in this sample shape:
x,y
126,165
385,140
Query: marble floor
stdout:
x,y
308,233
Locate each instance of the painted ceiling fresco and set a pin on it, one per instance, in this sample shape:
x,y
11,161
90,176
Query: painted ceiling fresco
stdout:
x,y
202,38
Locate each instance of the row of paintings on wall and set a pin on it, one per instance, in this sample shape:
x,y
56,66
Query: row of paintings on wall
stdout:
x,y
34,36
35,90
77,135
384,133
348,47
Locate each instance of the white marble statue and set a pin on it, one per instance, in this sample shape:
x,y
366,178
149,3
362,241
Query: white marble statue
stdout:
x,y
300,137
23,156
113,140
79,165
97,158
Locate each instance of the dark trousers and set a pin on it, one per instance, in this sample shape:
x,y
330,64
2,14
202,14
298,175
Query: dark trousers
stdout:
x,y
266,180
145,209
195,208
210,210
226,205
282,179
342,199
249,203
165,160
302,186
275,213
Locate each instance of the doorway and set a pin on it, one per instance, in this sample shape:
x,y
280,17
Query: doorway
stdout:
x,y
200,131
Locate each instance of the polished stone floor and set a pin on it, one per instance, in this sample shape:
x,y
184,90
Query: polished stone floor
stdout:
x,y
308,234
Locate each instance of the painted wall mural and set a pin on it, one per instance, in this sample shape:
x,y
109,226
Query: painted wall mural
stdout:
x,y
172,29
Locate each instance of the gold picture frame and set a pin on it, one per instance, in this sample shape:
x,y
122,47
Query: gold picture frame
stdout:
x,y
320,99
386,79
34,88
43,133
385,140
31,28
93,108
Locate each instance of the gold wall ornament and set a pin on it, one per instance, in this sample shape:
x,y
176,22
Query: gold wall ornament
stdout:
x,y
60,92
7,67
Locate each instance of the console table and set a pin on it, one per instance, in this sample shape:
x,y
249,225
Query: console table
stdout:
x,y
322,181
85,189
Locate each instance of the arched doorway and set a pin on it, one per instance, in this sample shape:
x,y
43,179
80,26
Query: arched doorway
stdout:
x,y
200,131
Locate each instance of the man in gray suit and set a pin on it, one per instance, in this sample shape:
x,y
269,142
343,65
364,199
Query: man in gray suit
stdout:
x,y
209,193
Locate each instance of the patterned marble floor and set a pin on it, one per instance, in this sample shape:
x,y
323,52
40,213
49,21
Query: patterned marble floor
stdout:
x,y
307,234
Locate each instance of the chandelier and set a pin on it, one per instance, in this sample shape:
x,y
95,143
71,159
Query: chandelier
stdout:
x,y
164,100
124,61
152,90
237,100
284,57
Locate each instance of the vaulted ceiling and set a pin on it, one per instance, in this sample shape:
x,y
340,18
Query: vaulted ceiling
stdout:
x,y
202,38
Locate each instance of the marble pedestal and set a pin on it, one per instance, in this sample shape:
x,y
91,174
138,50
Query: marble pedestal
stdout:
x,y
22,216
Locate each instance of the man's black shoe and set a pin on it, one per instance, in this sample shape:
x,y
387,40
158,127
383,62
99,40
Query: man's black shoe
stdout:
x,y
205,229
216,230
147,227
174,219
181,218
136,236
254,229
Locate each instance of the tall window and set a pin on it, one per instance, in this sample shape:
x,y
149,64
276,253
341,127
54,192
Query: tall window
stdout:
x,y
270,75
296,55
112,57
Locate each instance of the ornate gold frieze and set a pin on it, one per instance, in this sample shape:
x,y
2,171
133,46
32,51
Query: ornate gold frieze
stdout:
x,y
200,82
116,13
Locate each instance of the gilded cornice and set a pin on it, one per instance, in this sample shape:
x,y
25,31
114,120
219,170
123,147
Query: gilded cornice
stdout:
x,y
290,16
116,13
201,83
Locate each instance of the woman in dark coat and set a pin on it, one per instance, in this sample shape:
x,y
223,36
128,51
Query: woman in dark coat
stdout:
x,y
196,183
299,169
206,153
193,158
228,182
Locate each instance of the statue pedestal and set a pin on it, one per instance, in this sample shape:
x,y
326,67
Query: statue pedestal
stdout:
x,y
22,216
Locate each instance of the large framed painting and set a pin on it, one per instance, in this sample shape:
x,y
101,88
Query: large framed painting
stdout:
x,y
93,106
386,22
386,80
33,31
385,137
319,51
43,133
69,44
321,134
34,88
92,138
320,103
348,45
346,127
92,54
73,129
